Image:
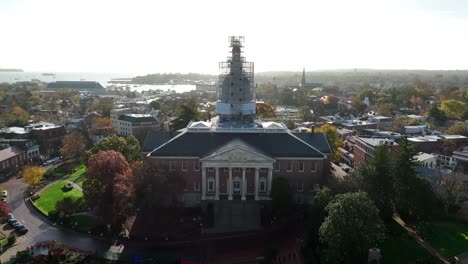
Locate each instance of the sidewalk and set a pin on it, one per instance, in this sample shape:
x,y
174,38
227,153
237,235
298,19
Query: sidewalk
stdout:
x,y
421,241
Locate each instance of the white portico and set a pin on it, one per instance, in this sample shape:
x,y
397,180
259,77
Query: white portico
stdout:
x,y
236,161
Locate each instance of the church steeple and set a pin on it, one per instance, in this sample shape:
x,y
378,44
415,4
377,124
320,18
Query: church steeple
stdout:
x,y
236,94
303,81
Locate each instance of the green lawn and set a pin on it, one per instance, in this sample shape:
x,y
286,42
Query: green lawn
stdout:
x,y
83,223
49,198
399,247
450,238
78,176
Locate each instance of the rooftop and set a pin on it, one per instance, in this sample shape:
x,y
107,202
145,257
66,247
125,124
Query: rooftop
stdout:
x,y
377,141
138,118
10,152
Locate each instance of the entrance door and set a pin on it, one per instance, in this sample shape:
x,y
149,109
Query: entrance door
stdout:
x,y
236,187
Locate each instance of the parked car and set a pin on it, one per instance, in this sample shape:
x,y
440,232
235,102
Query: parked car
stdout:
x,y
22,230
4,193
10,216
3,199
16,225
12,220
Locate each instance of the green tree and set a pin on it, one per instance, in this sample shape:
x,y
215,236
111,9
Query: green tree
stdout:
x,y
129,147
281,196
352,227
438,115
103,106
453,108
305,114
187,111
333,139
376,179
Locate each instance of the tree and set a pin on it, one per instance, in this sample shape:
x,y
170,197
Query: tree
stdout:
x,y
65,207
74,145
305,114
359,105
352,227
460,128
102,126
265,110
376,179
281,196
187,111
32,175
4,210
103,106
333,140
129,147
438,115
453,108
109,186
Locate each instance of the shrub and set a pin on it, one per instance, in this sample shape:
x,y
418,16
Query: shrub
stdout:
x,y
67,187
11,239
35,197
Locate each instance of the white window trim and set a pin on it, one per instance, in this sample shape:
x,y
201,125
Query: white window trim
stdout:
x,y
210,169
279,166
196,166
196,186
170,166
288,168
301,185
262,180
211,179
184,164
313,167
299,166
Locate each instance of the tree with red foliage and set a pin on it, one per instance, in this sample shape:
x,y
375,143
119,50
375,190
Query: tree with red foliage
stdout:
x,y
4,210
109,186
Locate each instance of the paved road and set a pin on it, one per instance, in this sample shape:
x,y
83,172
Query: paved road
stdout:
x,y
38,229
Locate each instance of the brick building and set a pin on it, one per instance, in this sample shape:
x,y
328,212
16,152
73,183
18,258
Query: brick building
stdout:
x,y
364,148
229,164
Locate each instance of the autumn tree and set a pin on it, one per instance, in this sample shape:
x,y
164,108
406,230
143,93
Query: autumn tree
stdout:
x,y
460,128
32,175
102,126
4,210
74,145
359,105
352,227
109,186
265,110
453,108
129,147
333,139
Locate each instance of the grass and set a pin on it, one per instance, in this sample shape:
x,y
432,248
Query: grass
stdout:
x,y
49,198
449,237
78,176
83,223
399,247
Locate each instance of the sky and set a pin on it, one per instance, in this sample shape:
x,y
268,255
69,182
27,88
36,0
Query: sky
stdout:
x,y
141,37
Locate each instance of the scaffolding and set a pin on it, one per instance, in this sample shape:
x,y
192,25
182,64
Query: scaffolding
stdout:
x,y
236,81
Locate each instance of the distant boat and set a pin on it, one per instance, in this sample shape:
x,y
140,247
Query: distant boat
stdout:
x,y
48,74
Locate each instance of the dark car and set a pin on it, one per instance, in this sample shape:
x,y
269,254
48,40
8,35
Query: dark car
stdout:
x,y
22,230
10,216
12,220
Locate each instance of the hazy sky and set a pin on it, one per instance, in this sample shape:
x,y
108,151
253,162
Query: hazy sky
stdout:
x,y
191,36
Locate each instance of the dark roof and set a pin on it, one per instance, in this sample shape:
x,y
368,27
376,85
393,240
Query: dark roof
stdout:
x,y
317,140
155,139
137,119
200,144
75,85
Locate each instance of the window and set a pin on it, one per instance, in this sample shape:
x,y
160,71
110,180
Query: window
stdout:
x,y
313,166
262,187
171,166
196,186
211,169
236,169
211,184
277,166
301,166
196,166
289,165
300,186
184,165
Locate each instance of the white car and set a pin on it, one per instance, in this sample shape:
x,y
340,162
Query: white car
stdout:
x,y
4,193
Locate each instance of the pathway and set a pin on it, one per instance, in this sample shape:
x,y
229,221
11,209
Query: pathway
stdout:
x,y
421,241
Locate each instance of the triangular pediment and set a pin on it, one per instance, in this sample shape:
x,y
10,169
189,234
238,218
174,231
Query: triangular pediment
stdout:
x,y
238,154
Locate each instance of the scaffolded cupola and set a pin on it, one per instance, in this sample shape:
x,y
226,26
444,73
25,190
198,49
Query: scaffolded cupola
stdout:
x,y
236,93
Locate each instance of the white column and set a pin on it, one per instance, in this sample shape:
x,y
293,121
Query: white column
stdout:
x,y
203,184
270,179
244,185
256,184
217,183
230,184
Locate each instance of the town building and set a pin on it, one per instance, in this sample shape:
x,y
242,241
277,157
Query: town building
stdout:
x,y
364,148
49,137
31,148
137,125
229,163
12,158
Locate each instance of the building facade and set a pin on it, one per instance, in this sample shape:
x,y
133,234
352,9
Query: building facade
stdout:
x,y
136,125
229,164
364,148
